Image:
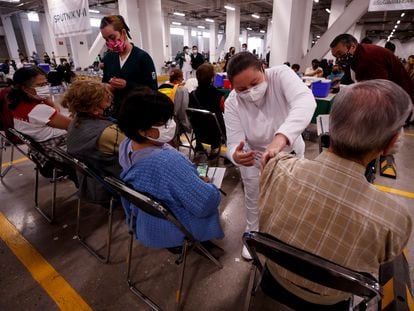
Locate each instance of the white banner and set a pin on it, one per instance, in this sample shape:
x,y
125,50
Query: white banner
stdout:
x,y
69,17
391,5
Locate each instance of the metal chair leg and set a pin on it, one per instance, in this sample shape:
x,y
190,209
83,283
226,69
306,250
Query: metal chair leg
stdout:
x,y
180,284
89,248
9,167
208,254
49,218
130,283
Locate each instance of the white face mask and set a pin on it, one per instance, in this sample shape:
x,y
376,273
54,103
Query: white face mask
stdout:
x,y
255,94
195,51
42,90
166,132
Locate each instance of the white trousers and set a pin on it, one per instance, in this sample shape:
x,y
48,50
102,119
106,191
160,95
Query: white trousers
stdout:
x,y
250,176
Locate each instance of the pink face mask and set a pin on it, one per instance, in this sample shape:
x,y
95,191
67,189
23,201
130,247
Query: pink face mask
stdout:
x,y
117,45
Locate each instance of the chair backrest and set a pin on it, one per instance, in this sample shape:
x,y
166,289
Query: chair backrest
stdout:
x,y
147,204
84,169
205,126
310,266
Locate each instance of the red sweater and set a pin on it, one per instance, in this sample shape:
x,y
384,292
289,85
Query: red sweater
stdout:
x,y
374,62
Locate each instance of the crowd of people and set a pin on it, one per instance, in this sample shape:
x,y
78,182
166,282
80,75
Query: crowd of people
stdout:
x,y
126,126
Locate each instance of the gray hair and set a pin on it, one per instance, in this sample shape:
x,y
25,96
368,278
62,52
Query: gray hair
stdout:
x,y
365,116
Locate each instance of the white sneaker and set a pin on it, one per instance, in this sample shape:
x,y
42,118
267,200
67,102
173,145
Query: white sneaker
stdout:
x,y
245,253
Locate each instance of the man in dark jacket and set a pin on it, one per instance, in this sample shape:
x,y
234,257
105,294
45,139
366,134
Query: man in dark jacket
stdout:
x,y
196,58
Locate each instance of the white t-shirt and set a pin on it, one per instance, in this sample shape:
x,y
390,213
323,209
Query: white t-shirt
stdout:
x,y
37,127
287,109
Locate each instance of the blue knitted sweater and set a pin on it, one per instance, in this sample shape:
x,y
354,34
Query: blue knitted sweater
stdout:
x,y
169,177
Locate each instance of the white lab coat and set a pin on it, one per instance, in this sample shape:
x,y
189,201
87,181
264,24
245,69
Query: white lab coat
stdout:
x,y
287,109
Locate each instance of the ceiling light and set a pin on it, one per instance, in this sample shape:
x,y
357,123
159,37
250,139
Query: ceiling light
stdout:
x,y
396,26
398,22
94,11
316,1
228,7
255,16
402,14
248,28
327,10
176,23
313,41
179,14
209,20
33,17
201,27
262,31
11,1
318,36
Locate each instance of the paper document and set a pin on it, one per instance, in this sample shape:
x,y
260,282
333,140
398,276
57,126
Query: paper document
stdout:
x,y
216,175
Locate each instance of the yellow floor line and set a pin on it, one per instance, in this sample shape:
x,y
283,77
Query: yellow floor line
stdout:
x,y
55,285
396,191
409,134
15,161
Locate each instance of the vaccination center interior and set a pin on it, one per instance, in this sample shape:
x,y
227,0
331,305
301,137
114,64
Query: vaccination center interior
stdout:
x,y
206,155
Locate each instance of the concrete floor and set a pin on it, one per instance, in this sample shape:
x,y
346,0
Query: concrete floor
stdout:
x,y
103,286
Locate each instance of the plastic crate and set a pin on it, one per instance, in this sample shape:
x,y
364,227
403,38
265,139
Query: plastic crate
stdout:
x,y
321,88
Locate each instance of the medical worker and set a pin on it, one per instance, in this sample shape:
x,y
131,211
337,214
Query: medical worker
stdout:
x,y
264,114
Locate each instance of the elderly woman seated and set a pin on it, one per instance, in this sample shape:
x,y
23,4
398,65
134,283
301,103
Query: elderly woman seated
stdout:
x,y
34,114
92,138
152,166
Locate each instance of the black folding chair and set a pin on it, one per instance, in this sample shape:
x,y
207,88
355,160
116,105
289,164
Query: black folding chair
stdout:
x,y
308,266
322,128
156,209
4,141
206,128
87,171
55,170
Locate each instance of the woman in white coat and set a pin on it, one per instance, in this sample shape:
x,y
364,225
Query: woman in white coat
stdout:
x,y
265,113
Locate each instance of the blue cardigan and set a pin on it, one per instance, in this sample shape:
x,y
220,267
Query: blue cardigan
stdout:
x,y
169,177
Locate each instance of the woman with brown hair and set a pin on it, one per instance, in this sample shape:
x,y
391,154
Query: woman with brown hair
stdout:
x,y
92,138
125,65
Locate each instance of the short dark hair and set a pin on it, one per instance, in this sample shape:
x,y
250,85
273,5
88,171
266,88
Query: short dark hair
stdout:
x,y
176,74
195,46
316,61
142,109
25,76
296,66
240,62
205,74
185,47
390,46
117,21
344,38
366,40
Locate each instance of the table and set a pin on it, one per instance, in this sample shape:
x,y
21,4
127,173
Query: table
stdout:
x,y
323,105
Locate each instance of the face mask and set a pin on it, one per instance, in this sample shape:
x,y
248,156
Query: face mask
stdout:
x,y
195,51
166,132
335,71
345,60
42,90
255,94
117,45
186,50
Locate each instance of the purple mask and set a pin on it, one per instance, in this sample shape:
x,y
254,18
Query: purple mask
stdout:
x,y
117,45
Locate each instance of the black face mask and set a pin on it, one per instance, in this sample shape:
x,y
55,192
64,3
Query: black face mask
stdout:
x,y
335,71
345,60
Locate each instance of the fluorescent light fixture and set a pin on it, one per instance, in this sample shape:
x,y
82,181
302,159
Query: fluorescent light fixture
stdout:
x,y
229,7
201,27
327,10
402,14
94,11
179,14
255,16
209,20
262,31
318,36
11,1
33,17
176,23
398,22
248,28
316,1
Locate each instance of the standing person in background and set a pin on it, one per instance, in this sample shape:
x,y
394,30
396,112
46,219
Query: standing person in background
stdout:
x,y
186,63
409,66
227,57
196,59
315,70
367,62
54,59
46,58
244,47
265,113
125,66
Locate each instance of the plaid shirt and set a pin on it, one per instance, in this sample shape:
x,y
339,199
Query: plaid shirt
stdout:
x,y
326,206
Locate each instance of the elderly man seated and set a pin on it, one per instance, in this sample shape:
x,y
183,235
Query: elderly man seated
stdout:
x,y
326,206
